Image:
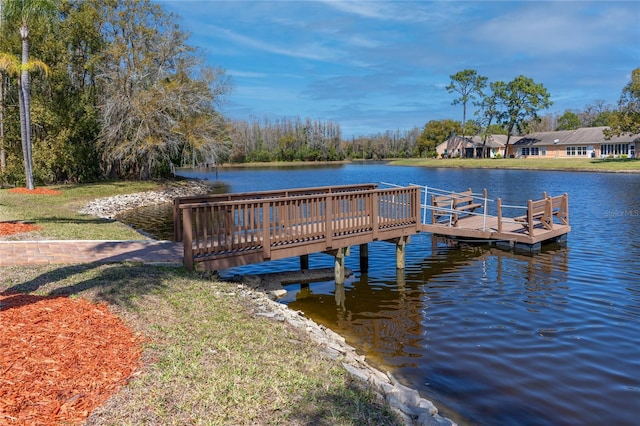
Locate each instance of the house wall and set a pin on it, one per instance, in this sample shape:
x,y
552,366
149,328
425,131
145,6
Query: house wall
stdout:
x,y
586,150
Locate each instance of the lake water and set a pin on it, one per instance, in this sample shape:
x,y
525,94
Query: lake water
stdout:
x,y
492,337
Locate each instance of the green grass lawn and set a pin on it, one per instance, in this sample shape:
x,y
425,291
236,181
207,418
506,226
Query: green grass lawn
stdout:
x,y
568,164
58,214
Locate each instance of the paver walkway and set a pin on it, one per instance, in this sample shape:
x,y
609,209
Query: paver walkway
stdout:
x,y
83,251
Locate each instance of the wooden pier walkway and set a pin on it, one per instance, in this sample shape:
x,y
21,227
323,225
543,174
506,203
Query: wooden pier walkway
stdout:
x,y
224,231
227,230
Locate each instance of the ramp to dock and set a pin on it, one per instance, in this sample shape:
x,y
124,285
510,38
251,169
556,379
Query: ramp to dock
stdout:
x,y
224,231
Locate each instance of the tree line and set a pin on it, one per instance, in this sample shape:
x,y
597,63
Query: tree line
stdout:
x,y
511,108
294,139
96,89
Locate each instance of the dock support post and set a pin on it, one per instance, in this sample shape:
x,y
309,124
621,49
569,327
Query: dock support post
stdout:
x,y
187,240
340,295
304,261
364,257
401,244
401,280
338,266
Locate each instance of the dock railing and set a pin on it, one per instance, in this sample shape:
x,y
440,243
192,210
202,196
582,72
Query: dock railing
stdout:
x,y
443,206
293,225
446,207
208,198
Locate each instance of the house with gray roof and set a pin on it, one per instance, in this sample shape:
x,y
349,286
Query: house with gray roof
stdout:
x,y
586,142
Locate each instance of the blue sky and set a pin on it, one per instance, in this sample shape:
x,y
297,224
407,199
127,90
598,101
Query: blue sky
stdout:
x,y
383,65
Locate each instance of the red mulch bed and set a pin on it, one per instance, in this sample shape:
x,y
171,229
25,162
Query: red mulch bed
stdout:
x,y
60,358
35,191
10,228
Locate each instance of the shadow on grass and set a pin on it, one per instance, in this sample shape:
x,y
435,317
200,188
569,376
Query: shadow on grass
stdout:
x,y
117,279
89,220
119,284
353,404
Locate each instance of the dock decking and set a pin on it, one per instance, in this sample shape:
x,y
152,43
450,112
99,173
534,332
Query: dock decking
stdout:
x,y
481,229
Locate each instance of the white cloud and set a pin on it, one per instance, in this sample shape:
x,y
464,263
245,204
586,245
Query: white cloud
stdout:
x,y
314,52
557,28
403,11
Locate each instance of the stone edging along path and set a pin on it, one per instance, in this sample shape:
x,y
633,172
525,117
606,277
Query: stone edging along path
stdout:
x,y
413,409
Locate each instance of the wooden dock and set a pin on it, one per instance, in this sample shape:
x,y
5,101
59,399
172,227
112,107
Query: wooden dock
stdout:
x,y
464,215
226,230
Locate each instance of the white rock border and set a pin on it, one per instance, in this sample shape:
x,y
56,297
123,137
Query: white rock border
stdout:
x,y
110,207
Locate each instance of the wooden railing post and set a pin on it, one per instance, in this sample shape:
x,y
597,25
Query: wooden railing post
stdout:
x,y
565,207
187,239
375,220
177,222
415,199
433,211
484,209
499,207
548,214
328,220
266,230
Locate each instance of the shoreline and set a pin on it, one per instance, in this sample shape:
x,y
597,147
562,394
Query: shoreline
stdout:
x,y
405,401
543,164
110,207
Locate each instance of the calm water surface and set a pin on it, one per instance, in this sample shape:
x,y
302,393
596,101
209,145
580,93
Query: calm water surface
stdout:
x,y
491,336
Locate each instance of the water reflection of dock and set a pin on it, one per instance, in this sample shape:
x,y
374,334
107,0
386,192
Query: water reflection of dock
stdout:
x,y
387,318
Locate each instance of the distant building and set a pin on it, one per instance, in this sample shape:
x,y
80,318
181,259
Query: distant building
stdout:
x,y
586,142
471,146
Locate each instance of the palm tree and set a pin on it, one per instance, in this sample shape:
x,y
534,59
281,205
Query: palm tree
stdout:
x,y
13,66
26,11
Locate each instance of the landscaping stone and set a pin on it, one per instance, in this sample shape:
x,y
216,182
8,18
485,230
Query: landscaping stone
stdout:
x,y
110,207
406,402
